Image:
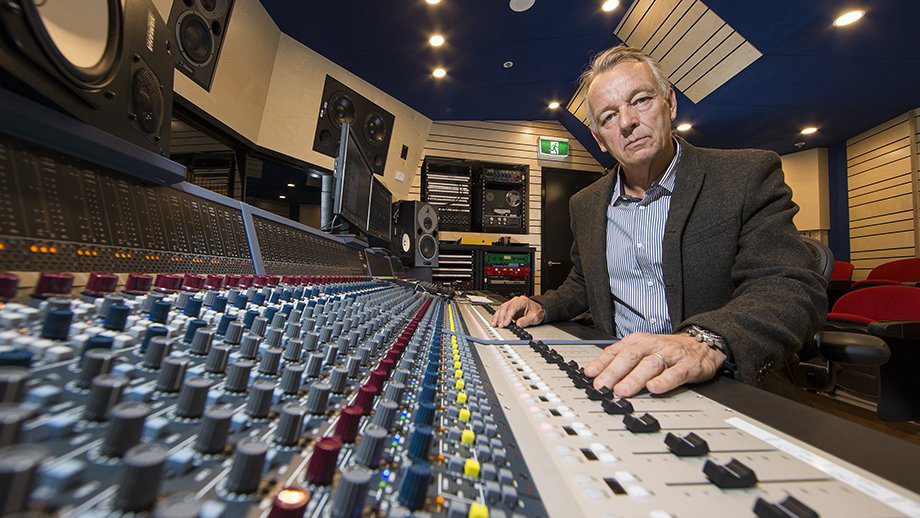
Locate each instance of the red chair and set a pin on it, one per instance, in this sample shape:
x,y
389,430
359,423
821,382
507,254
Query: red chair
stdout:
x,y
843,271
877,327
840,282
901,271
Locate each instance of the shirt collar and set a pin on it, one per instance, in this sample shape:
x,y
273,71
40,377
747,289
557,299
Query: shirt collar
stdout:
x,y
664,185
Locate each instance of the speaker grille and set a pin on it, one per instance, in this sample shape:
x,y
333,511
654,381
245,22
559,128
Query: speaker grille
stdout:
x,y
427,247
341,110
147,99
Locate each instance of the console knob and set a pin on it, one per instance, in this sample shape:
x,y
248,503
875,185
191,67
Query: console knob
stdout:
x,y
157,348
271,360
248,462
100,283
104,393
201,341
414,486
290,424
140,479
234,333
321,467
386,415
19,467
9,283
126,423
167,283
424,414
137,284
215,426
290,502
346,428
314,365
370,449
238,375
13,383
351,492
56,324
260,399
249,347
12,419
192,397
216,362
420,442
52,284
318,398
159,311
95,362
173,372
291,378
338,379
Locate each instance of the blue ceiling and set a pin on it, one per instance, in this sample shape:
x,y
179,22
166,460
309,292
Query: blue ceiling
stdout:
x,y
843,81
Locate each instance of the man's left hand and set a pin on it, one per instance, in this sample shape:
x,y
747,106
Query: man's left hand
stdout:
x,y
657,362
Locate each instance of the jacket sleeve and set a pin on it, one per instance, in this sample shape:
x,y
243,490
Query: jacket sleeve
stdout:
x,y
779,299
571,298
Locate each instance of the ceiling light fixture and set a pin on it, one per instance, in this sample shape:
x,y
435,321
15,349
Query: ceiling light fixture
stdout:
x,y
809,130
610,5
436,40
291,185
553,105
684,126
508,64
439,73
283,197
433,2
849,17
519,6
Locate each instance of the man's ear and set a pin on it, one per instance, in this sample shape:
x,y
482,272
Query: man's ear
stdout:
x,y
600,143
672,103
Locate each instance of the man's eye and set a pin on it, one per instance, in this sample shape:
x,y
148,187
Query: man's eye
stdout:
x,y
642,100
609,117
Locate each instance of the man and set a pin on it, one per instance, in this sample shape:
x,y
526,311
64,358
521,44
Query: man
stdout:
x,y
689,255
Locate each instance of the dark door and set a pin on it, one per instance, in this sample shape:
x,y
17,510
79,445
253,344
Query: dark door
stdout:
x,y
558,186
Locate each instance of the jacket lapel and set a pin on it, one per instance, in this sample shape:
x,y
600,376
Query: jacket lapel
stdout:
x,y
594,257
688,181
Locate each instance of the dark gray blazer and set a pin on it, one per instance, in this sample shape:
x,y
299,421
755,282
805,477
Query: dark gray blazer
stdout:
x,y
733,261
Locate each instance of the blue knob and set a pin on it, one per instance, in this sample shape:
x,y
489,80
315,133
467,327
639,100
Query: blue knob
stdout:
x,y
286,309
414,486
249,317
286,294
152,332
424,415
241,301
298,294
117,317
220,304
224,323
270,313
193,307
431,378
428,392
159,312
57,324
258,299
191,327
275,297
420,442
16,358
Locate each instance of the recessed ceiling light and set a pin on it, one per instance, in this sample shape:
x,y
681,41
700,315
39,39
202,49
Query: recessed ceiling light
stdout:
x,y
684,126
283,197
439,73
436,40
553,105
433,2
520,6
809,130
316,175
291,185
849,17
508,64
610,5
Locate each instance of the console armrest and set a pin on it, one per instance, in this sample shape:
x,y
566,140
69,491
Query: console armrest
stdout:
x,y
852,348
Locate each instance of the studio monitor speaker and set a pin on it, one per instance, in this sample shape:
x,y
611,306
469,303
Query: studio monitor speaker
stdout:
x,y
415,233
373,126
198,27
106,62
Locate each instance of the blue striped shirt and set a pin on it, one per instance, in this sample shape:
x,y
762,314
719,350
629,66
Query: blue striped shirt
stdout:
x,y
635,229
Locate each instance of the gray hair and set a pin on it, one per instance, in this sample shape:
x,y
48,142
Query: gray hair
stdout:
x,y
612,57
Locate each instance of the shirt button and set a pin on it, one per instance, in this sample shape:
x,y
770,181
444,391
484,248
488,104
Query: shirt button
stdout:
x,y
641,207
649,284
653,320
638,245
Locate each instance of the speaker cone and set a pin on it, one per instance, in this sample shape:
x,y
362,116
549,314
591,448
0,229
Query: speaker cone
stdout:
x,y
195,39
427,247
209,5
341,110
375,128
83,48
147,100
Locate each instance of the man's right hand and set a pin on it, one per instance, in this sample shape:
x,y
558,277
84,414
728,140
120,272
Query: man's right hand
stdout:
x,y
526,311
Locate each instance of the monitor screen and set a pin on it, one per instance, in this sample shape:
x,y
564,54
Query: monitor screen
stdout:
x,y
398,269
378,265
381,208
353,181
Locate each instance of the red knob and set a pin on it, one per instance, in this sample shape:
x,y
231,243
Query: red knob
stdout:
x,y
365,397
290,502
233,280
247,281
290,280
214,282
272,280
167,283
377,377
321,467
138,284
53,283
9,283
347,427
100,283
192,282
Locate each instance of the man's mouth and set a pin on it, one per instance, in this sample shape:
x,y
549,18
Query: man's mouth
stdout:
x,y
636,143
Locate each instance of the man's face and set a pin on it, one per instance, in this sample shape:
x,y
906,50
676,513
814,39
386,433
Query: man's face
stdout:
x,y
633,119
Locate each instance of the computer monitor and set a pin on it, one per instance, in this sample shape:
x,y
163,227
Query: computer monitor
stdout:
x,y
353,174
378,265
380,215
397,266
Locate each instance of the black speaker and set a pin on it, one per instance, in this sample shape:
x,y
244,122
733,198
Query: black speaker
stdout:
x,y
372,125
415,233
198,27
106,62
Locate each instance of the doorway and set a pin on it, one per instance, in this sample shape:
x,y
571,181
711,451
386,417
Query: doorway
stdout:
x,y
558,187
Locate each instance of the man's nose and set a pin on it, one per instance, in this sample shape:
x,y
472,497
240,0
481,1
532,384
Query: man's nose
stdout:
x,y
628,120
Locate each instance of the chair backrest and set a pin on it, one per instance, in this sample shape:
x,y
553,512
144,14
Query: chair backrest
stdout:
x,y
843,271
902,270
824,258
882,303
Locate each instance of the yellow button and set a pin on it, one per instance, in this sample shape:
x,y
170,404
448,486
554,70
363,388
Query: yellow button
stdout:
x,y
464,414
471,468
478,511
453,340
467,437
457,365
461,397
458,373
459,384
456,356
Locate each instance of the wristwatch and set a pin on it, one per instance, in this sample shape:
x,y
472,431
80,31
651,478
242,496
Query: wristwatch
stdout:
x,y
716,342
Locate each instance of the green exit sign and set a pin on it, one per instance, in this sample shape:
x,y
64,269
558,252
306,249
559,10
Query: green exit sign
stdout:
x,y
553,147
